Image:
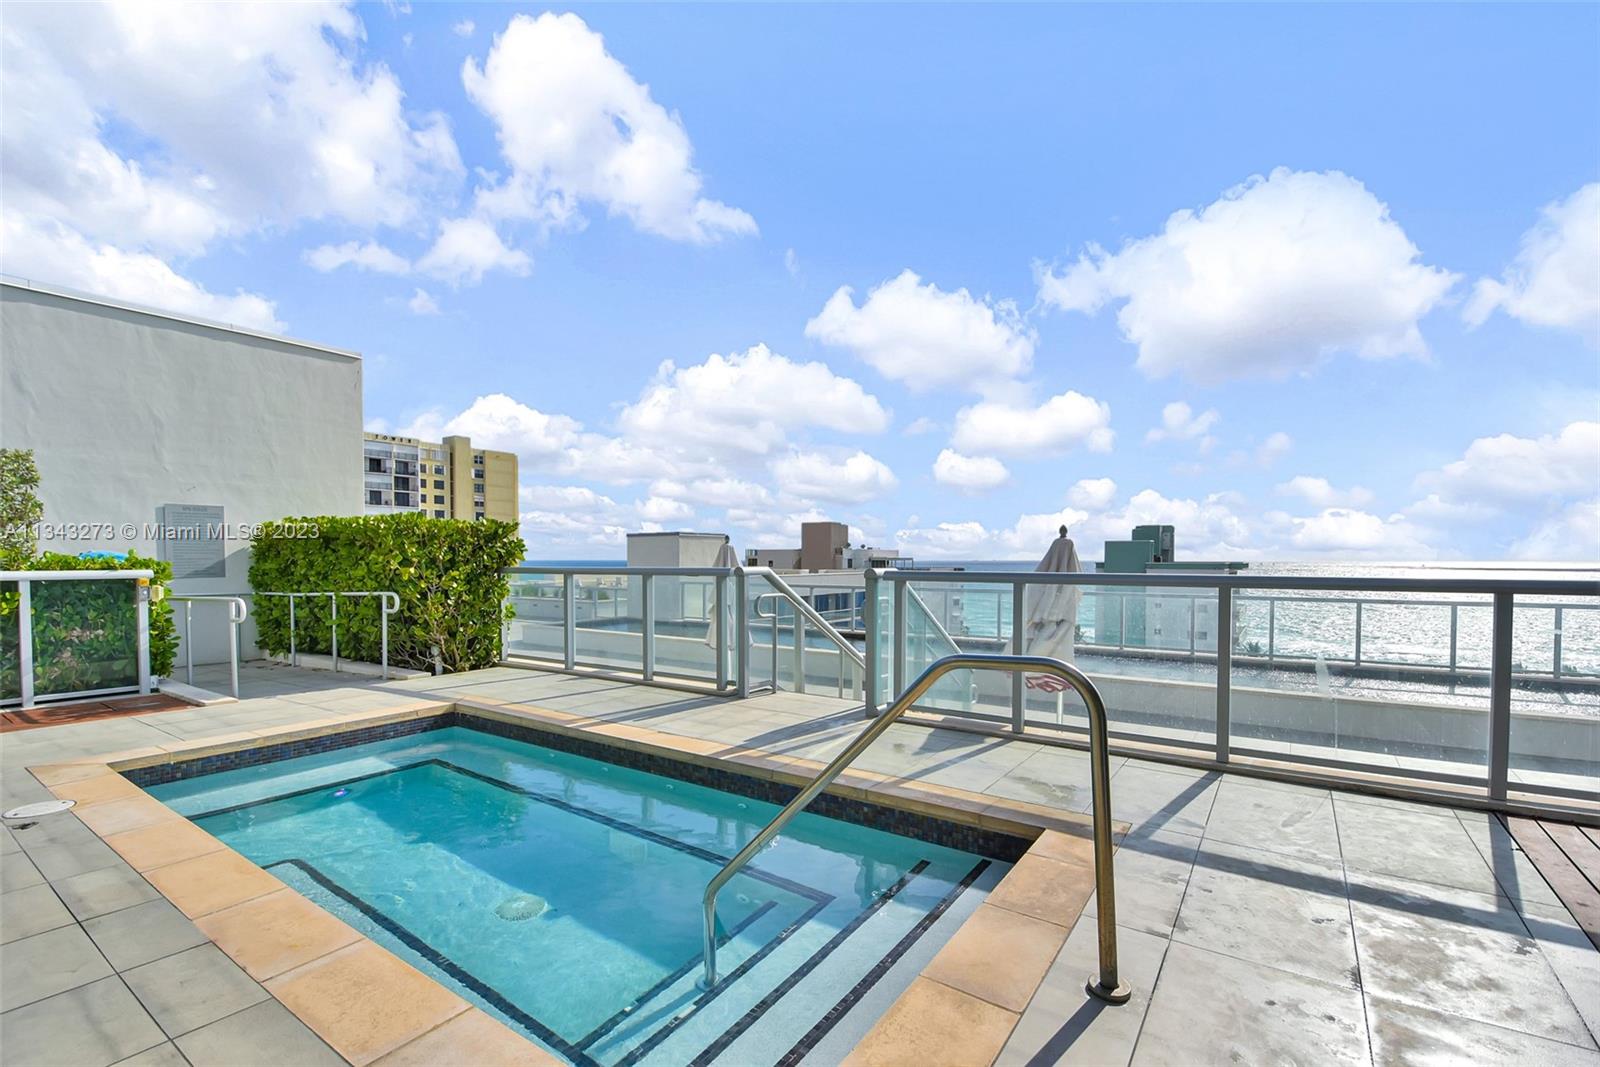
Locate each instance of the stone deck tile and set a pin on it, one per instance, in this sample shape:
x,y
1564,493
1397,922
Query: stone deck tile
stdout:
x,y
1191,1002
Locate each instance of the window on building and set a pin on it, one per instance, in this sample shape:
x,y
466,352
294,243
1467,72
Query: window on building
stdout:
x,y
438,498
402,500
438,483
477,487
438,468
477,472
477,516
439,513
375,465
375,496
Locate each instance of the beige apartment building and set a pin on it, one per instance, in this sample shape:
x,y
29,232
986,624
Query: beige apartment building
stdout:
x,y
448,479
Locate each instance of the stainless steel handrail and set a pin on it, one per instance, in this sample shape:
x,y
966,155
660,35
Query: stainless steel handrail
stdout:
x,y
799,649
386,599
811,615
1107,985
238,611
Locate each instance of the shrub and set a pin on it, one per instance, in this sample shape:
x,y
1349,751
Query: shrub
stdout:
x,y
84,633
20,509
447,572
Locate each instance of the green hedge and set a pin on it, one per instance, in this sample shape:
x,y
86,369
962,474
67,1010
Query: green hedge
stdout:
x,y
84,633
447,572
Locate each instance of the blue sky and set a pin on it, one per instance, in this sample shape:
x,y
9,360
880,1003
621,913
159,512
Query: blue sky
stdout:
x,y
614,239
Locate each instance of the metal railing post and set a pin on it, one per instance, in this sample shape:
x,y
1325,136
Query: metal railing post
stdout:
x,y
647,608
188,641
141,612
719,623
1272,628
873,680
233,647
25,640
383,627
1224,670
1555,661
741,634
333,617
1107,984
799,649
897,645
294,657
1358,633
569,624
1500,698
1019,625
1455,621
1193,603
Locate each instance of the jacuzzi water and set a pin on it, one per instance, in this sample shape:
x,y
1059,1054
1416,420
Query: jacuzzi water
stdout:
x,y
562,894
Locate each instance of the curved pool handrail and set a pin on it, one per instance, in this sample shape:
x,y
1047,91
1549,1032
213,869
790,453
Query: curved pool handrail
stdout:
x,y
1106,985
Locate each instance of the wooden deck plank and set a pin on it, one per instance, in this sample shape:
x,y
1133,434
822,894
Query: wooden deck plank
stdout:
x,y
1592,833
1584,854
1580,898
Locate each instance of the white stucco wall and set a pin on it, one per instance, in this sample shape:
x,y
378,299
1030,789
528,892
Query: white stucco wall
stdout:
x,y
129,410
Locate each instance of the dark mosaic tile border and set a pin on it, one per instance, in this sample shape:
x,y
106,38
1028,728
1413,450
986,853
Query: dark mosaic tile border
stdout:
x,y
178,770
973,839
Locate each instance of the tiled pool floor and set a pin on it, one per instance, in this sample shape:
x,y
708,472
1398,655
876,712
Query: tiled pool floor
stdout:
x,y
1260,921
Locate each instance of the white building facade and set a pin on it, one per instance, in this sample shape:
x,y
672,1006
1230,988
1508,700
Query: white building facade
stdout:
x,y
141,421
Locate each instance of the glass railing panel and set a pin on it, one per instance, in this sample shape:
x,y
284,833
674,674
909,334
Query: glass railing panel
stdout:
x,y
935,613
10,655
685,630
1389,682
1555,717
85,636
1150,651
535,631
608,621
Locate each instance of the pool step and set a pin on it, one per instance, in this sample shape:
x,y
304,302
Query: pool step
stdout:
x,y
793,985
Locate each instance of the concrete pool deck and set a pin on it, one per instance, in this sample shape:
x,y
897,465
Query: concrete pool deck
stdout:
x,y
1259,921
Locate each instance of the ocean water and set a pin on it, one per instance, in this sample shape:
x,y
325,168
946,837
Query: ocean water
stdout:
x,y
1397,628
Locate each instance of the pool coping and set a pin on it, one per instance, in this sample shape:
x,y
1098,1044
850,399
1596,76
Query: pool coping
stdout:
x,y
373,1007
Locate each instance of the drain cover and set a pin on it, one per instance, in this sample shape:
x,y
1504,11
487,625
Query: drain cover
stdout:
x,y
35,811
521,907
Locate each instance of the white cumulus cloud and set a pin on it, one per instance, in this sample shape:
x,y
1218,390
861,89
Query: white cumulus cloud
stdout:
x,y
575,127
994,427
1180,423
1571,536
1505,467
1555,278
970,474
367,255
920,335
748,403
1319,493
852,479
1275,447
468,248
421,303
54,253
1274,278
1092,494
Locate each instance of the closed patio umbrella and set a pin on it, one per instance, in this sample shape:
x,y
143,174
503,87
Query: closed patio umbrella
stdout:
x,y
726,557
1051,614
